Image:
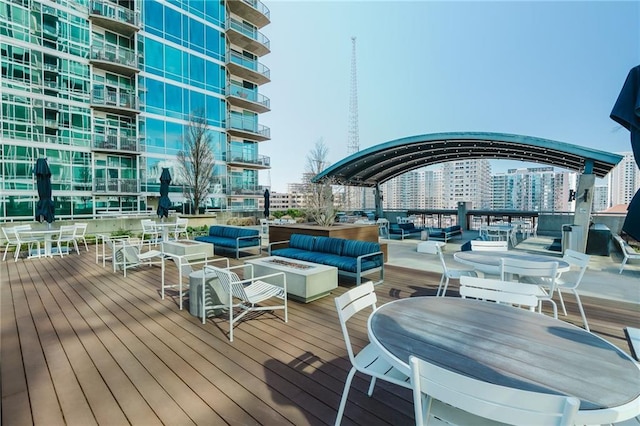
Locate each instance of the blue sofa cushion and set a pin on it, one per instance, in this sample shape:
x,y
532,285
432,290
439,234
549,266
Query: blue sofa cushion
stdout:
x,y
354,248
328,245
301,241
292,253
217,241
216,231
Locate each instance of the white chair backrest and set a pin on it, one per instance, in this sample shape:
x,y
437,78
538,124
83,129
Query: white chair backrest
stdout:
x,y
231,284
350,303
578,260
81,229
487,400
183,265
10,234
67,232
481,245
499,291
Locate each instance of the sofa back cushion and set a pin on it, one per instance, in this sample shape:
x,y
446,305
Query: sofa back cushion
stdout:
x,y
407,226
328,245
247,232
355,248
301,241
216,231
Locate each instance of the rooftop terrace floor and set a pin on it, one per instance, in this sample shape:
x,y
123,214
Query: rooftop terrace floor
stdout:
x,y
83,345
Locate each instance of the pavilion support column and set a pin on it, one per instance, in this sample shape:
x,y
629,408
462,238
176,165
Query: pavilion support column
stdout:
x,y
377,194
582,217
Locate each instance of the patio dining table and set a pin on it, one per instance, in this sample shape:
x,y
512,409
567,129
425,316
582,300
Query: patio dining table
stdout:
x,y
45,235
488,262
512,347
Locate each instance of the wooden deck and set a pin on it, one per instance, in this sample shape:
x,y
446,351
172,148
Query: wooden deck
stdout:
x,y
83,345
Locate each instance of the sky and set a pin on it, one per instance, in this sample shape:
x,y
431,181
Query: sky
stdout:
x,y
547,69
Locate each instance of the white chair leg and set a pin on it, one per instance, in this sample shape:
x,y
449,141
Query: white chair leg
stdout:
x,y
584,317
371,386
564,310
345,394
444,289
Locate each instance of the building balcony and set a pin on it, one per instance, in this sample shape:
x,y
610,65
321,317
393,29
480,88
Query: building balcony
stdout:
x,y
253,11
253,162
115,143
248,129
117,102
51,105
238,190
115,59
247,37
116,186
247,68
247,99
114,17
52,68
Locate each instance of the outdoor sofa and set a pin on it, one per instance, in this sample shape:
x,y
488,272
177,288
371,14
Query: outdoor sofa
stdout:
x,y
444,234
233,238
404,229
353,258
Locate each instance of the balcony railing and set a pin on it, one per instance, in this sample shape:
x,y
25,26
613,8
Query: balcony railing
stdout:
x,y
260,102
239,190
120,186
247,37
113,11
248,126
114,100
114,56
253,11
260,160
248,67
248,31
115,143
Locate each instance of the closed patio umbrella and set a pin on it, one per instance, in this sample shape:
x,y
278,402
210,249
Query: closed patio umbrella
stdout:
x,y
45,207
165,203
267,203
626,112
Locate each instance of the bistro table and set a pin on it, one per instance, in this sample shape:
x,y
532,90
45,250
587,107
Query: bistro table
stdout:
x,y
488,262
164,228
47,235
511,347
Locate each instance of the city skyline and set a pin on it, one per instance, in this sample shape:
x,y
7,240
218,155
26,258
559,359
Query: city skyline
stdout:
x,y
543,69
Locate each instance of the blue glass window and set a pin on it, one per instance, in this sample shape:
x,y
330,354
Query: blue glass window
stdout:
x,y
154,55
153,17
215,106
196,35
155,96
174,25
214,44
196,71
197,102
174,137
173,62
174,100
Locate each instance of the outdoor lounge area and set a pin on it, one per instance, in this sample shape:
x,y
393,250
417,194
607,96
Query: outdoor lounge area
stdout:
x,y
81,344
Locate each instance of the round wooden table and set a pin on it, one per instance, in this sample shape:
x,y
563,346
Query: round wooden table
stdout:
x,y
511,347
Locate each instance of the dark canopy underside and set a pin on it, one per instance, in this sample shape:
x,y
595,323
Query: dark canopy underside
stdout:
x,y
385,161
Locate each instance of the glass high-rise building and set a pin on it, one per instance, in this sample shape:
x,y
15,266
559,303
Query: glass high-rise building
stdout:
x,y
105,91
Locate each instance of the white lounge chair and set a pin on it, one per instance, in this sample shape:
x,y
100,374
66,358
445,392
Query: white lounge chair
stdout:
x,y
627,251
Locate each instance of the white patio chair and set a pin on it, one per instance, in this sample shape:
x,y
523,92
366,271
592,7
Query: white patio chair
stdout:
x,y
66,237
499,291
383,227
447,273
368,361
525,270
627,251
481,245
13,238
264,226
569,280
186,264
443,396
149,229
181,228
81,230
127,256
249,292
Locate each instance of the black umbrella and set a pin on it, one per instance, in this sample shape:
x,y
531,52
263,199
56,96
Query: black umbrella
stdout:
x,y
267,203
165,203
45,207
626,111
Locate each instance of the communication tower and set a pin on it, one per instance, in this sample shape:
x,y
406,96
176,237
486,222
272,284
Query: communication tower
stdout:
x,y
354,195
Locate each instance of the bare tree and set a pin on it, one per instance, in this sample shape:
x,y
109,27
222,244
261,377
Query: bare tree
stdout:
x,y
320,206
196,160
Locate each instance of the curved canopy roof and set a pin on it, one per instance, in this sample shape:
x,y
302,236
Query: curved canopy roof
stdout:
x,y
378,164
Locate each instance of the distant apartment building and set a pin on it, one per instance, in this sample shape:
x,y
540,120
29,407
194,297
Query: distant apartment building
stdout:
x,y
466,180
600,198
533,189
104,89
624,180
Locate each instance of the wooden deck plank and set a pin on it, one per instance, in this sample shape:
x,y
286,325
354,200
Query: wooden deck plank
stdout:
x,y
128,353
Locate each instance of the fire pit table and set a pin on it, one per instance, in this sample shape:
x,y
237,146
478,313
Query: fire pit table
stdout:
x,y
306,281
